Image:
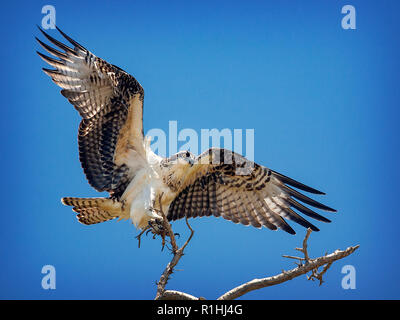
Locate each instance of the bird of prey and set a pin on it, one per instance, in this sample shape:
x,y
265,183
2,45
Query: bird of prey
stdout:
x,y
117,158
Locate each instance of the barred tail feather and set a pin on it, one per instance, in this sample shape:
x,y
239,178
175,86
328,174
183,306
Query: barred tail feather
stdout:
x,y
94,210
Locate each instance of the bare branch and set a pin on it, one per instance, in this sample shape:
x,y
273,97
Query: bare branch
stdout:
x,y
176,295
178,253
304,249
293,257
191,235
319,275
315,274
304,266
310,265
139,236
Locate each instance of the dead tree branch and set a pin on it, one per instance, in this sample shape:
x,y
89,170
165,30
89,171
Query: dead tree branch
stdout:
x,y
177,255
176,295
304,266
309,265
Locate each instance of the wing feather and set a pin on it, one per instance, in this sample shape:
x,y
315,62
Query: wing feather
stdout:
x,y
110,102
243,192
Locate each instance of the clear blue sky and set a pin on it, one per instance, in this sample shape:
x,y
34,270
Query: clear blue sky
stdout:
x,y
324,104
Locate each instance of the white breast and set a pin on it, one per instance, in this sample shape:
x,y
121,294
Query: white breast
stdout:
x,y
143,190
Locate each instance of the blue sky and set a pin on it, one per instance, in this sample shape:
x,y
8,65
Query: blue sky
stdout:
x,y
323,103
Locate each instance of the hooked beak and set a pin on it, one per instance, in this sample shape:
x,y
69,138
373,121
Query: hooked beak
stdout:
x,y
191,162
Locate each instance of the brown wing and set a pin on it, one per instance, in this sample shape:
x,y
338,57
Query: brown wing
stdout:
x,y
110,102
223,183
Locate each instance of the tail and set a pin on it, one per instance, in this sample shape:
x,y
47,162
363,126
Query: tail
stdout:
x,y
94,210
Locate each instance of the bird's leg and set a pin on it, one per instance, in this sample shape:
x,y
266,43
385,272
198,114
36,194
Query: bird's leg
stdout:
x,y
157,228
157,224
160,226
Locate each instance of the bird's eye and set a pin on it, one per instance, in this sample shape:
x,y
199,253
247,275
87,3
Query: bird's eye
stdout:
x,y
187,154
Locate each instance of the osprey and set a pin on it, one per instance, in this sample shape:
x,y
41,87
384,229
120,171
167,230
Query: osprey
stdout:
x,y
116,158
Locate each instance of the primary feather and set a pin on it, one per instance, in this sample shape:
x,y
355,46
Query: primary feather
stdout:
x,y
241,191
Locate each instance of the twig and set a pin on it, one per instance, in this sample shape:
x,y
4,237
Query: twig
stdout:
x,y
315,274
190,237
304,249
178,253
293,257
139,236
319,275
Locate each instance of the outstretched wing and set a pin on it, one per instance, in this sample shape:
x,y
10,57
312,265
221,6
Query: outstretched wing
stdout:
x,y
223,183
110,102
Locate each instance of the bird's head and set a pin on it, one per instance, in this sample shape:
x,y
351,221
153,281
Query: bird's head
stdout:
x,y
179,161
182,158
178,167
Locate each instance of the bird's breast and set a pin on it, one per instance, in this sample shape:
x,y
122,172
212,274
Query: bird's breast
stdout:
x,y
142,196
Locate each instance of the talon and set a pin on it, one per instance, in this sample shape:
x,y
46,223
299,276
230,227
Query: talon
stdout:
x,y
157,227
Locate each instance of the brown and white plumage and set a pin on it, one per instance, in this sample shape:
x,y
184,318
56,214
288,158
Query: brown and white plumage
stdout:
x,y
224,183
106,97
116,158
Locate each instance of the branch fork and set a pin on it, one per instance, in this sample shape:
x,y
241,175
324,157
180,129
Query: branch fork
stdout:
x,y
176,251
315,273
304,265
